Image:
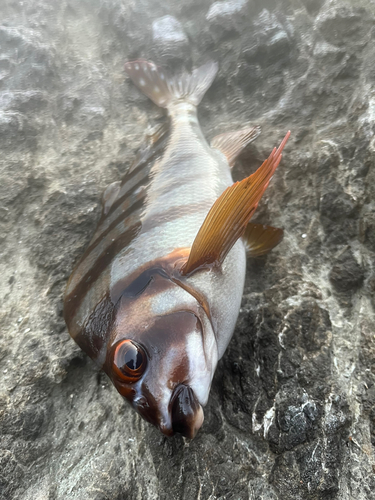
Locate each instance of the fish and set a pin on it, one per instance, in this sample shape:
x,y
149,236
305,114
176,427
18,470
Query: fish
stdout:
x,y
155,298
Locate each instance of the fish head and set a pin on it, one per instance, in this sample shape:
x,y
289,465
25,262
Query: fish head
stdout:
x,y
163,363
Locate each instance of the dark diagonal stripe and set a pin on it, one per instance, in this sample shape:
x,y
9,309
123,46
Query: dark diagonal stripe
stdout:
x,y
75,297
94,335
146,162
147,152
128,193
118,224
92,254
127,213
105,221
141,162
89,259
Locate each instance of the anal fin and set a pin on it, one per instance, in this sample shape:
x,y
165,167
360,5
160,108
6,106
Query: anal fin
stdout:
x,y
230,214
232,143
260,239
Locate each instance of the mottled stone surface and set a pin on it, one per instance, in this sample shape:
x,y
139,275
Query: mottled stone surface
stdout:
x,y
292,408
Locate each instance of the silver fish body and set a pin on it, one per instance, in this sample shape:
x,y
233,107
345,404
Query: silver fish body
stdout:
x,y
185,184
158,332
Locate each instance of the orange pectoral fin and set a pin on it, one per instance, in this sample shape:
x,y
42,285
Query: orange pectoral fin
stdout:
x,y
230,214
260,239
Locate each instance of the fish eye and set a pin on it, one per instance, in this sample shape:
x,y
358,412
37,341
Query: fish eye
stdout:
x,y
129,361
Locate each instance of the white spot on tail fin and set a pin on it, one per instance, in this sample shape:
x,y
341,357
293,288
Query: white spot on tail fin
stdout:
x,y
189,87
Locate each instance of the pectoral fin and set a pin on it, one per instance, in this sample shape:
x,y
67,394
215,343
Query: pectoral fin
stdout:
x,y
229,216
260,239
232,143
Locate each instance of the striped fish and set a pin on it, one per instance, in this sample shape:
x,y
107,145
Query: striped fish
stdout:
x,y
155,298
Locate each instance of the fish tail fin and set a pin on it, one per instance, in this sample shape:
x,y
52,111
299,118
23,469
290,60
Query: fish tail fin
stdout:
x,y
164,90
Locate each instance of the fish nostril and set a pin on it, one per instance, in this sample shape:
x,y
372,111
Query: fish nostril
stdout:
x,y
140,402
186,412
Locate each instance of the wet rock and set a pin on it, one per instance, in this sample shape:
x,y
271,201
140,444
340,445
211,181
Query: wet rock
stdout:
x,y
338,210
225,18
346,274
168,30
225,9
291,410
313,6
368,229
171,42
269,42
345,24
328,55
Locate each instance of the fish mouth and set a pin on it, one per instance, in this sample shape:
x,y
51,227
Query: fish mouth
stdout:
x,y
186,412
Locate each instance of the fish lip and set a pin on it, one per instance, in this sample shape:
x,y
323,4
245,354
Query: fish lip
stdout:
x,y
166,429
186,411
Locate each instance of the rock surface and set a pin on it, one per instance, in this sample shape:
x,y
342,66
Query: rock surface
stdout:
x,y
292,408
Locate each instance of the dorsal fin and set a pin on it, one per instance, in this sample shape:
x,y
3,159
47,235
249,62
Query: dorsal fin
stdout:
x,y
153,141
109,196
232,143
228,217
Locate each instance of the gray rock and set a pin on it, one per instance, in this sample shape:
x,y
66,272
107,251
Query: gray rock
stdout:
x,y
170,42
346,274
224,9
169,30
291,411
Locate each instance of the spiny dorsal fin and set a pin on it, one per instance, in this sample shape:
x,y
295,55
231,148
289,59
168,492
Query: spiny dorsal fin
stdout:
x,y
260,239
109,195
154,140
232,143
228,217
151,146
164,90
